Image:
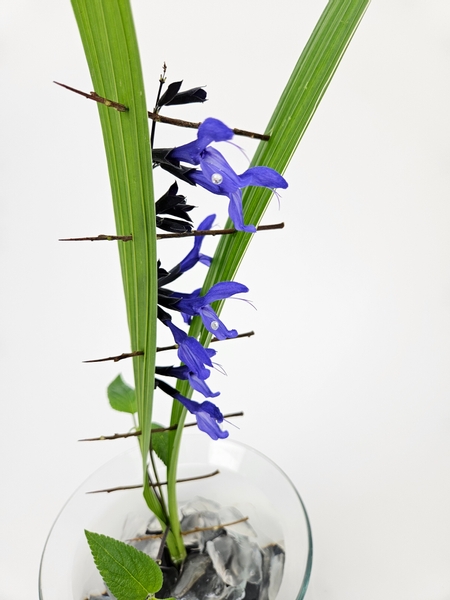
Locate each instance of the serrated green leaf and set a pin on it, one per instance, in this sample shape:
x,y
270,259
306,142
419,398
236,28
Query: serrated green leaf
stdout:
x,y
129,573
121,396
160,443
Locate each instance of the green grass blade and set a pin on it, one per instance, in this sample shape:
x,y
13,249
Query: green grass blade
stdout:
x,y
296,107
109,40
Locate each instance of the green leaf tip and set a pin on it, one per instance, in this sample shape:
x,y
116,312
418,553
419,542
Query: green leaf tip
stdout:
x,y
121,396
128,572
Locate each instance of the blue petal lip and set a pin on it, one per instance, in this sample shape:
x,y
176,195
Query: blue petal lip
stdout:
x,y
208,417
262,177
211,130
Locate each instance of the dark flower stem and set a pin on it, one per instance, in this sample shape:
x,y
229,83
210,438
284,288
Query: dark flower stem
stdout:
x,y
162,81
159,556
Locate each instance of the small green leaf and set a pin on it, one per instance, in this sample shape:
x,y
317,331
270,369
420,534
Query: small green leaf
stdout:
x,y
128,573
160,443
121,396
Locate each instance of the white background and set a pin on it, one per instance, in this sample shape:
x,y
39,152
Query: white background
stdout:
x,y
346,383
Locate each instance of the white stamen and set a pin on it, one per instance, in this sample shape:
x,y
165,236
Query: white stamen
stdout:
x,y
214,325
216,178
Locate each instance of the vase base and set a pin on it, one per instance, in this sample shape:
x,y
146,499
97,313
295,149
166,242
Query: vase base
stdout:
x,y
224,561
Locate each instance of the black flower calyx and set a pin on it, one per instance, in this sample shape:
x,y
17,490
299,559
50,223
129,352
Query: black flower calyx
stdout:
x,y
172,96
173,204
160,157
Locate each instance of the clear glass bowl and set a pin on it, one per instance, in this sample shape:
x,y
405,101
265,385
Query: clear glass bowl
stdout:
x,y
248,480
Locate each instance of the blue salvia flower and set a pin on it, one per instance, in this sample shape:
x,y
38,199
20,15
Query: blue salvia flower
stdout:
x,y
217,176
191,352
208,417
183,372
207,414
194,304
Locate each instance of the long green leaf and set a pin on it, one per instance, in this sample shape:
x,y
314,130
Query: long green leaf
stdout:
x,y
109,40
296,107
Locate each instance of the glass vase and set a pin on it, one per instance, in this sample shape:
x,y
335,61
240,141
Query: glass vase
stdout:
x,y
247,480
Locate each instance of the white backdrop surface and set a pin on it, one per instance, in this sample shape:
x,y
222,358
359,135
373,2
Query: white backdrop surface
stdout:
x,y
346,383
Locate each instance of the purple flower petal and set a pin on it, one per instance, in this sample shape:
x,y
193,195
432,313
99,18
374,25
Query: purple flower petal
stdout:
x,y
236,213
211,130
193,304
182,372
194,256
217,176
262,177
191,352
214,325
208,417
199,385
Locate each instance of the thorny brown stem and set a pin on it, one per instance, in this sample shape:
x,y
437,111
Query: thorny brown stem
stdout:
x,y
155,116
214,339
165,236
116,358
99,238
94,96
117,436
231,230
192,125
135,487
159,349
